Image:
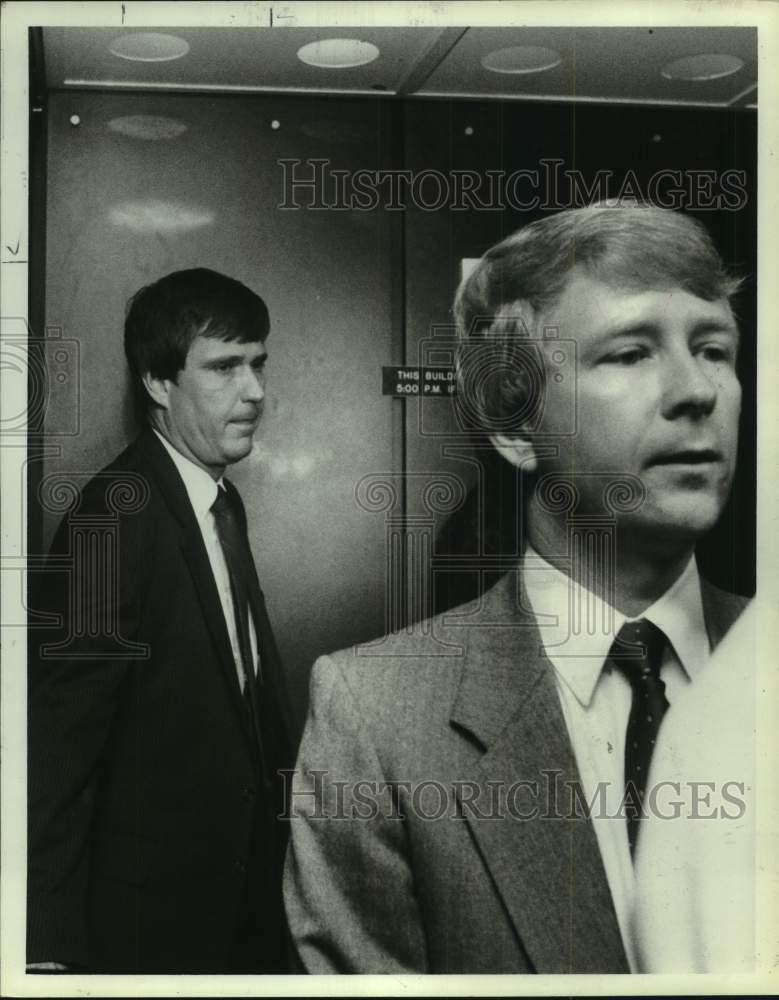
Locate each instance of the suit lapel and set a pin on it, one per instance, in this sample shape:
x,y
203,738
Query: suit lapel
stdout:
x,y
720,610
271,687
545,861
194,551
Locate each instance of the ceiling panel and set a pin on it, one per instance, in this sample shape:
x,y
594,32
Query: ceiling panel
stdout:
x,y
234,59
602,64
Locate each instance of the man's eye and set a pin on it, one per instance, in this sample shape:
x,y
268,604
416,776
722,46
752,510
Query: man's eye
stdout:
x,y
628,357
717,353
224,366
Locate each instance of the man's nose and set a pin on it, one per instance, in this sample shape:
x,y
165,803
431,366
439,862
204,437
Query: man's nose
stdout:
x,y
689,386
253,385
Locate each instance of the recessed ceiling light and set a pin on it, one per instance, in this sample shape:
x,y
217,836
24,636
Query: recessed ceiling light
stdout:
x,y
147,126
149,46
710,66
338,53
522,59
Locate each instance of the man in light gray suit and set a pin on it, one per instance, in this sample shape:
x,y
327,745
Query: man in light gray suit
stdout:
x,y
477,811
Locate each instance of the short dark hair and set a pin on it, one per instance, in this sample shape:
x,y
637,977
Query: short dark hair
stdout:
x,y
165,317
635,246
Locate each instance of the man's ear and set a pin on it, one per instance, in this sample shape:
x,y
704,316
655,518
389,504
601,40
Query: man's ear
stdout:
x,y
157,388
516,449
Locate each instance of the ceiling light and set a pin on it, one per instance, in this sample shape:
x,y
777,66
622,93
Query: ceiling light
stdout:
x,y
338,53
710,66
522,59
149,46
147,127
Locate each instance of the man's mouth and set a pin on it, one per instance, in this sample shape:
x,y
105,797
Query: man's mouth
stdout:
x,y
687,456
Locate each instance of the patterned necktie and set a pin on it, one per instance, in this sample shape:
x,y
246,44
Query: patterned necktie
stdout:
x,y
235,546
637,652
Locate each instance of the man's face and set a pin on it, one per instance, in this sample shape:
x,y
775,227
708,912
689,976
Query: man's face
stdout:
x,y
214,406
657,397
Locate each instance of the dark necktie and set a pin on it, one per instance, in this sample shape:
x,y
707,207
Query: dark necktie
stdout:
x,y
637,652
235,546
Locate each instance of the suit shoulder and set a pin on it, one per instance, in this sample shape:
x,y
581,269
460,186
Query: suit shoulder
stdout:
x,y
438,637
122,492
415,664
112,486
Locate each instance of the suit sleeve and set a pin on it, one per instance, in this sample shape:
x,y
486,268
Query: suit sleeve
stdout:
x,y
349,884
73,696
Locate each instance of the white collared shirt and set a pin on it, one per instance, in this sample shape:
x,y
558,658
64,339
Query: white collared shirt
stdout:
x,y
577,630
202,491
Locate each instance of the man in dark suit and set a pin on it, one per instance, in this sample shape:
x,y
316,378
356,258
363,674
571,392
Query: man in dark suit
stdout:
x,y
156,703
469,793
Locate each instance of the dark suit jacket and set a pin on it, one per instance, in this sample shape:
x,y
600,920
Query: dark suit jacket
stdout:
x,y
150,810
439,736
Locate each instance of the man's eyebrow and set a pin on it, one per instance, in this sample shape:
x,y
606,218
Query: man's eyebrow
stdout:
x,y
645,328
233,359
223,359
717,326
649,328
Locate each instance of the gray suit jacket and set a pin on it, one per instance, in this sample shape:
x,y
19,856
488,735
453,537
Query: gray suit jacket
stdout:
x,y
433,823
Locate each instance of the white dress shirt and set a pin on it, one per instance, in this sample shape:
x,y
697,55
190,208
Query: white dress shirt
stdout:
x,y
577,630
202,491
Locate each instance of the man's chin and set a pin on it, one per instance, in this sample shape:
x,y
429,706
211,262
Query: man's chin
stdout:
x,y
238,450
674,524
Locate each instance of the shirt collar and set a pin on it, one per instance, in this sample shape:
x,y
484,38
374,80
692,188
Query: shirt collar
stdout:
x,y
578,659
201,489
679,613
